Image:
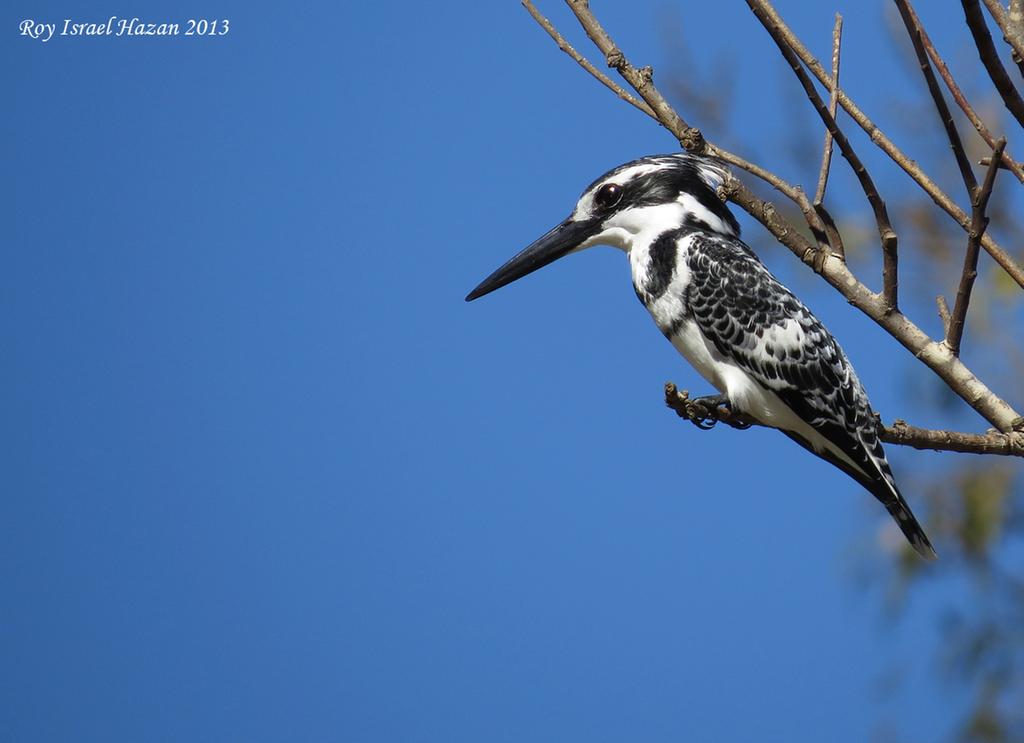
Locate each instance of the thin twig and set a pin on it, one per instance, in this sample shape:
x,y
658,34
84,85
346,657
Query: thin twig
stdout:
x,y
831,231
990,58
936,356
886,233
641,80
833,103
1013,32
986,161
583,62
907,164
818,219
900,433
979,202
915,31
961,100
940,302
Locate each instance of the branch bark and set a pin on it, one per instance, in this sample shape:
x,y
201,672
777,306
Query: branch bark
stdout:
x,y
835,240
990,59
916,34
979,222
833,106
1013,32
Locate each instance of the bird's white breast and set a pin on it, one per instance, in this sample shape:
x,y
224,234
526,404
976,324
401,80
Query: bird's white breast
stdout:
x,y
672,316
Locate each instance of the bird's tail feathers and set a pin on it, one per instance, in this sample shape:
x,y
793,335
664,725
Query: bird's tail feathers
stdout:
x,y
874,475
883,487
912,530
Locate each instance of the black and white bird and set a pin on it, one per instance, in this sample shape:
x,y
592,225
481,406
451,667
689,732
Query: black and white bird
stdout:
x,y
741,329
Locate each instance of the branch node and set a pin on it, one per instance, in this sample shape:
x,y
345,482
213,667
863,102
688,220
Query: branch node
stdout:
x,y
616,59
693,140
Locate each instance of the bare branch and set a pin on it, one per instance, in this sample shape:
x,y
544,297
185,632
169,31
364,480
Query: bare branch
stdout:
x,y
886,232
1013,32
961,100
835,240
1009,444
935,356
990,58
986,161
1015,16
639,79
833,105
583,62
900,433
916,33
907,164
817,217
979,222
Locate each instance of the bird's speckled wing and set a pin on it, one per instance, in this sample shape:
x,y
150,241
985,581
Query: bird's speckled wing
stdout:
x,y
761,326
758,323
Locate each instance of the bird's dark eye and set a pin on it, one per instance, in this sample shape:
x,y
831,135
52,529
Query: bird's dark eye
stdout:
x,y
608,195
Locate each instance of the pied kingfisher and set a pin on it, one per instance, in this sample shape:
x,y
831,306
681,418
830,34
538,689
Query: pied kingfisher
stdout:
x,y
742,330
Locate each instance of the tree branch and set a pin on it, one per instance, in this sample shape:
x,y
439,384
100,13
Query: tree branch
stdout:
x,y
990,58
831,231
886,233
583,62
916,34
833,104
961,100
900,433
1013,32
940,302
639,79
979,222
907,164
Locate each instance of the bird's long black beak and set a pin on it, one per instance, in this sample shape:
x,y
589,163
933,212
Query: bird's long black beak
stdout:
x,y
560,241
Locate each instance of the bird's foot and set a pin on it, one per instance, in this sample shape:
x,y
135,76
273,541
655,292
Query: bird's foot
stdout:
x,y
704,412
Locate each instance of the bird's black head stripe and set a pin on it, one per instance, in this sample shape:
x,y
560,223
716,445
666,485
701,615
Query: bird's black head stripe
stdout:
x,y
675,175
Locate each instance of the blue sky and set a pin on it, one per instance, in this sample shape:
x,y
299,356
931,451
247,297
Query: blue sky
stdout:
x,y
269,478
